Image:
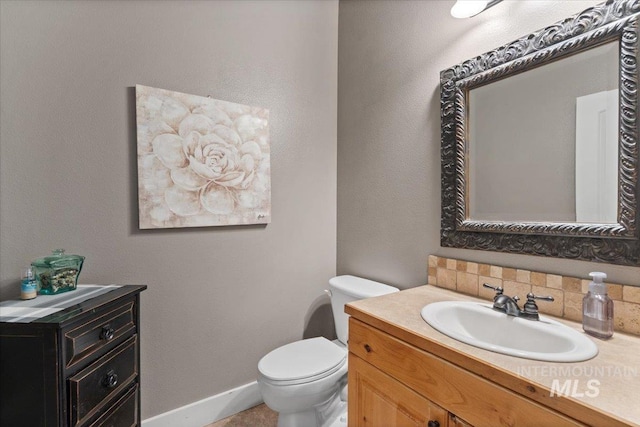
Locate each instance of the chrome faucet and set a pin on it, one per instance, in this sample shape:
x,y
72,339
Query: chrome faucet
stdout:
x,y
509,305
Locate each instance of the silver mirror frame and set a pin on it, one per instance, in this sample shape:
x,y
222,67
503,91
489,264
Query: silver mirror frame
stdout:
x,y
611,243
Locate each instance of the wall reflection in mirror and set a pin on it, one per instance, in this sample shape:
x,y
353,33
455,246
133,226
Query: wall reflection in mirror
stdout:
x,y
543,145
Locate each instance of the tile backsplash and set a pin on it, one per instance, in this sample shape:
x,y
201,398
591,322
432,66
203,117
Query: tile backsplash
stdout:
x,y
467,277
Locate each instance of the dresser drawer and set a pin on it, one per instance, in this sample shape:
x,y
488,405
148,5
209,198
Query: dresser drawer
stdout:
x,y
93,387
107,326
123,413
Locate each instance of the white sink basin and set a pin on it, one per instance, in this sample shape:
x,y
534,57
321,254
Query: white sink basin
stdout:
x,y
481,326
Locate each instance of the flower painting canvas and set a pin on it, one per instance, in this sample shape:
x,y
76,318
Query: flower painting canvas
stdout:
x,y
201,161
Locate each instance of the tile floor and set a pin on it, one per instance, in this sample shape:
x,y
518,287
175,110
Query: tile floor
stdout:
x,y
258,416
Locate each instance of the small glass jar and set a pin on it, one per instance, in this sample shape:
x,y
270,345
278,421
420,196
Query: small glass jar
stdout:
x,y
58,272
28,285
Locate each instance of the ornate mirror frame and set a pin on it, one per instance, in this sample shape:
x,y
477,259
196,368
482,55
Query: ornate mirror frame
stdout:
x,y
611,243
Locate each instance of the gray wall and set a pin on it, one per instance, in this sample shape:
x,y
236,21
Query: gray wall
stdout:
x,y
218,298
390,54
522,138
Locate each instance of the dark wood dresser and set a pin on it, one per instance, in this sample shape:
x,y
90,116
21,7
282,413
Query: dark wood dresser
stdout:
x,y
76,367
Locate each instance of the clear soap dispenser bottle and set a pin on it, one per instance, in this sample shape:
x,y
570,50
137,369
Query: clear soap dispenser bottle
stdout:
x,y
597,308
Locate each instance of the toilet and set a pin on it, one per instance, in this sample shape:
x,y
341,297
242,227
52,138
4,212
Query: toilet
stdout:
x,y
305,381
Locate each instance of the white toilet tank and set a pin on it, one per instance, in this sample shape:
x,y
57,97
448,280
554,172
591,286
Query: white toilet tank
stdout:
x,y
345,289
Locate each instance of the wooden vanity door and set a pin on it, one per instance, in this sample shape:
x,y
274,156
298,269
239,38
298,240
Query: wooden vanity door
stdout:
x,y
378,400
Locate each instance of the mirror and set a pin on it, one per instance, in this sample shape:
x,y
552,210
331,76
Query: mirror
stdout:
x,y
539,137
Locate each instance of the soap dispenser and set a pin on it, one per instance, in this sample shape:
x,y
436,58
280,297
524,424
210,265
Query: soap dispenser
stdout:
x,y
597,308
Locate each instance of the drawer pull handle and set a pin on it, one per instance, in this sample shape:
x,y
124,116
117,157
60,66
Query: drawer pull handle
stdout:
x,y
107,333
110,380
367,347
433,423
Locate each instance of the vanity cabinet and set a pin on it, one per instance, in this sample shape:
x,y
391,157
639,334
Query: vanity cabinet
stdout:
x,y
392,383
77,367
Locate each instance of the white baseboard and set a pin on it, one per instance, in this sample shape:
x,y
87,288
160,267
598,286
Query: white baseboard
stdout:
x,y
209,410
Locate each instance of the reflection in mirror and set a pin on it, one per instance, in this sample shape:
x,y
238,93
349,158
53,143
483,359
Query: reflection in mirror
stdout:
x,y
543,145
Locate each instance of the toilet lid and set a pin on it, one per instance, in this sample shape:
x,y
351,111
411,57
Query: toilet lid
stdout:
x,y
359,288
302,359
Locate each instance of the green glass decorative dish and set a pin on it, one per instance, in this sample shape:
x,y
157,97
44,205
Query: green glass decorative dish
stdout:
x,y
58,272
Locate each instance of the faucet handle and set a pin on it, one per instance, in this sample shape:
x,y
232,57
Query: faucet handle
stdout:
x,y
530,307
531,296
498,289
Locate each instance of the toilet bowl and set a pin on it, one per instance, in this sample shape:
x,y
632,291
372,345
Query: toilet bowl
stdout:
x,y
304,381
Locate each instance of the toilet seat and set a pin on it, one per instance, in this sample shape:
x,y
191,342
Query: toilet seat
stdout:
x,y
302,362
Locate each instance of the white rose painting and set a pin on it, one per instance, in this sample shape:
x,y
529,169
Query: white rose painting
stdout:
x,y
201,161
